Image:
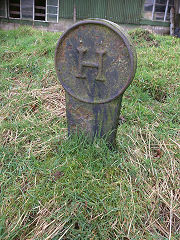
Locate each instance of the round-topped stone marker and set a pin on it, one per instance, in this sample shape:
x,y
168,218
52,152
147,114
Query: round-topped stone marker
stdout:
x,y
95,61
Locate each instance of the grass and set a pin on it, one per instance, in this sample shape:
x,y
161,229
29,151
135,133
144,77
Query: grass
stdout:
x,y
53,187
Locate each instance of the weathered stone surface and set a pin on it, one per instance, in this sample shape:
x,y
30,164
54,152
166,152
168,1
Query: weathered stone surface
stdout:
x,y
95,62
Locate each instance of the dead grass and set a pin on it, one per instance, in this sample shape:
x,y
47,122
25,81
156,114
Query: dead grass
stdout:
x,y
53,99
53,187
40,222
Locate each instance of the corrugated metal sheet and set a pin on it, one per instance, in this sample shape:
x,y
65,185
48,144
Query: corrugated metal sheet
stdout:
x,y
66,8
120,11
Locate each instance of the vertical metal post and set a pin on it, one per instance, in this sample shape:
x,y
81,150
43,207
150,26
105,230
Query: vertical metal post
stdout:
x,y
46,12
153,10
58,11
6,8
33,11
74,11
172,26
20,10
165,15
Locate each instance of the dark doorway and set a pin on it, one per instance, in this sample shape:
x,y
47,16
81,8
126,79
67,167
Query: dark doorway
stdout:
x,y
14,9
40,10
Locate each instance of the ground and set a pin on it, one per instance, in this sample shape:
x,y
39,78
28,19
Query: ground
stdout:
x,y
53,187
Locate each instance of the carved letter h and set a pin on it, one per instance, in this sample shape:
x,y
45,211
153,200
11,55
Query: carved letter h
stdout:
x,y
82,50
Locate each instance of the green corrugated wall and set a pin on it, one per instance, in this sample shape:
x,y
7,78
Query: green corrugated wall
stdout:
x,y
120,11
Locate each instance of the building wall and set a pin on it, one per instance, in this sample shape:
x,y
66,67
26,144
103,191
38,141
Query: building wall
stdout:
x,y
120,11
64,24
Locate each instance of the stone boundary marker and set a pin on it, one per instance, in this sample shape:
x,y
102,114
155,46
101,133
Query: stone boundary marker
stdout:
x,y
95,62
